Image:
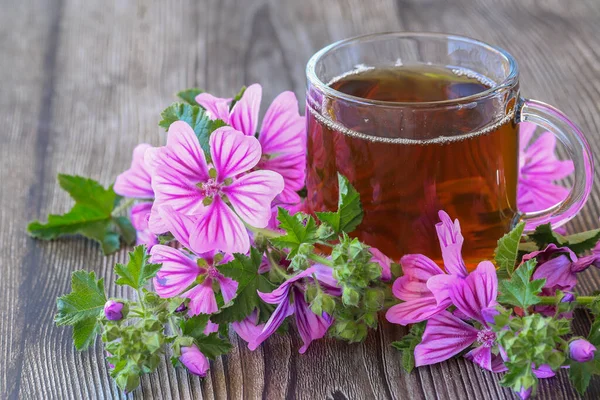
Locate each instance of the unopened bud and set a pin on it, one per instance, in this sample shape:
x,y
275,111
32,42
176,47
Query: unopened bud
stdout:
x,y
113,310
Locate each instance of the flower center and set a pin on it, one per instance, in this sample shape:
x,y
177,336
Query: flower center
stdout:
x,y
213,272
486,338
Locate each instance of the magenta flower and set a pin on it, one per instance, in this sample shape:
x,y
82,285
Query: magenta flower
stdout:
x,y
193,276
581,350
248,328
136,183
447,335
424,287
282,134
220,197
113,310
539,168
194,360
289,298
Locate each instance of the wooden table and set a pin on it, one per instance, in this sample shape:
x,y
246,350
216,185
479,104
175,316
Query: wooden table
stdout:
x,y
82,82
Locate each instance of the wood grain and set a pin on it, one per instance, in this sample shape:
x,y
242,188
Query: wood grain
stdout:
x,y
83,82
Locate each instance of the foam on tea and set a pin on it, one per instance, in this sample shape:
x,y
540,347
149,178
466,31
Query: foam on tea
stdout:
x,y
409,164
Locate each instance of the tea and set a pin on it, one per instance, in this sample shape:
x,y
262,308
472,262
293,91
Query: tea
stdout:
x,y
408,164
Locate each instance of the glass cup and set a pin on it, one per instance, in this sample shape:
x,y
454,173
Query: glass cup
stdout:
x,y
410,159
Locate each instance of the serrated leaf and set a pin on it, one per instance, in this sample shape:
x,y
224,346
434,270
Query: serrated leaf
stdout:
x,y
299,228
213,346
578,243
138,270
82,307
407,345
594,336
508,249
189,95
244,270
580,374
194,326
90,216
349,213
196,117
520,290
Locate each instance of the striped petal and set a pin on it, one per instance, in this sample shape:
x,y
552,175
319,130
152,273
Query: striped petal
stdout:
x,y
177,272
283,128
310,325
218,108
136,182
476,292
417,269
244,115
417,310
232,152
451,241
202,299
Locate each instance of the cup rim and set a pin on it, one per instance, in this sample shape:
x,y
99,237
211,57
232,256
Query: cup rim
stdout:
x,y
508,82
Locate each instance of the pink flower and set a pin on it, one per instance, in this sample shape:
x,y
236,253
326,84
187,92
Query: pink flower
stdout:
x,y
192,276
248,328
136,183
447,335
282,134
194,360
384,261
539,169
424,287
219,197
290,300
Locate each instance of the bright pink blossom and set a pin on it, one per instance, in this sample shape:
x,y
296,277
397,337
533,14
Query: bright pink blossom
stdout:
x,y
539,168
136,183
424,287
289,298
220,197
282,134
194,360
193,276
446,334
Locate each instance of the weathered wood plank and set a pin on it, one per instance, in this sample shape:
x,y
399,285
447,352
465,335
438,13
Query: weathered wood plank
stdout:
x,y
86,82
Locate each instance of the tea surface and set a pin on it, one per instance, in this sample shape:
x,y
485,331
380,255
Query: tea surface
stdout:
x,y
473,177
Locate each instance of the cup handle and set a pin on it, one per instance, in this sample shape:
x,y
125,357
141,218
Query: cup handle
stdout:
x,y
578,149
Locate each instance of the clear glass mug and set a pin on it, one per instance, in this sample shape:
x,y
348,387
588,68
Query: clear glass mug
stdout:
x,y
410,159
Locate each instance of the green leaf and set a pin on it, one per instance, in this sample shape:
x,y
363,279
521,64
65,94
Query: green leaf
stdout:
x,y
581,373
349,214
126,228
194,326
244,270
508,248
519,376
90,216
407,345
594,336
189,95
82,307
196,117
520,290
138,270
299,228
213,346
237,97
578,243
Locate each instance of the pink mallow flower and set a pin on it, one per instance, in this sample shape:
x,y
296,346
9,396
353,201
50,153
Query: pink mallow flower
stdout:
x,y
193,276
220,197
282,134
136,183
539,168
424,287
194,360
290,300
447,334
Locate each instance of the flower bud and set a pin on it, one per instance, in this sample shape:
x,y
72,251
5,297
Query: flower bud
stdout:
x,y
524,393
350,297
113,310
374,299
194,360
182,307
568,297
581,350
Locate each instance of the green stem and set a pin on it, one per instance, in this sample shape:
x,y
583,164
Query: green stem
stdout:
x,y
321,260
123,206
579,300
268,233
141,300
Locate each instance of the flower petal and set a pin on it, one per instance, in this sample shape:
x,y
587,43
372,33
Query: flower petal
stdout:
x,y
228,288
218,228
328,283
283,310
451,241
183,152
543,371
202,299
181,226
557,273
194,360
278,295
210,327
177,272
217,107
481,356
252,194
247,328
417,269
310,325
416,310
445,336
136,181
244,115
384,261
283,129
140,213
476,292
292,167
440,285
232,152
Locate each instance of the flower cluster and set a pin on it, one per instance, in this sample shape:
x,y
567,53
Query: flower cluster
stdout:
x,y
223,243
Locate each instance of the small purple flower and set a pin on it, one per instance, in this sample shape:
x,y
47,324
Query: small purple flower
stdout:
x,y
194,360
113,310
581,350
524,393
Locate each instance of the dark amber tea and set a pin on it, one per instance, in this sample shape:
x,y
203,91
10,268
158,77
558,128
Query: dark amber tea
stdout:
x,y
409,162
